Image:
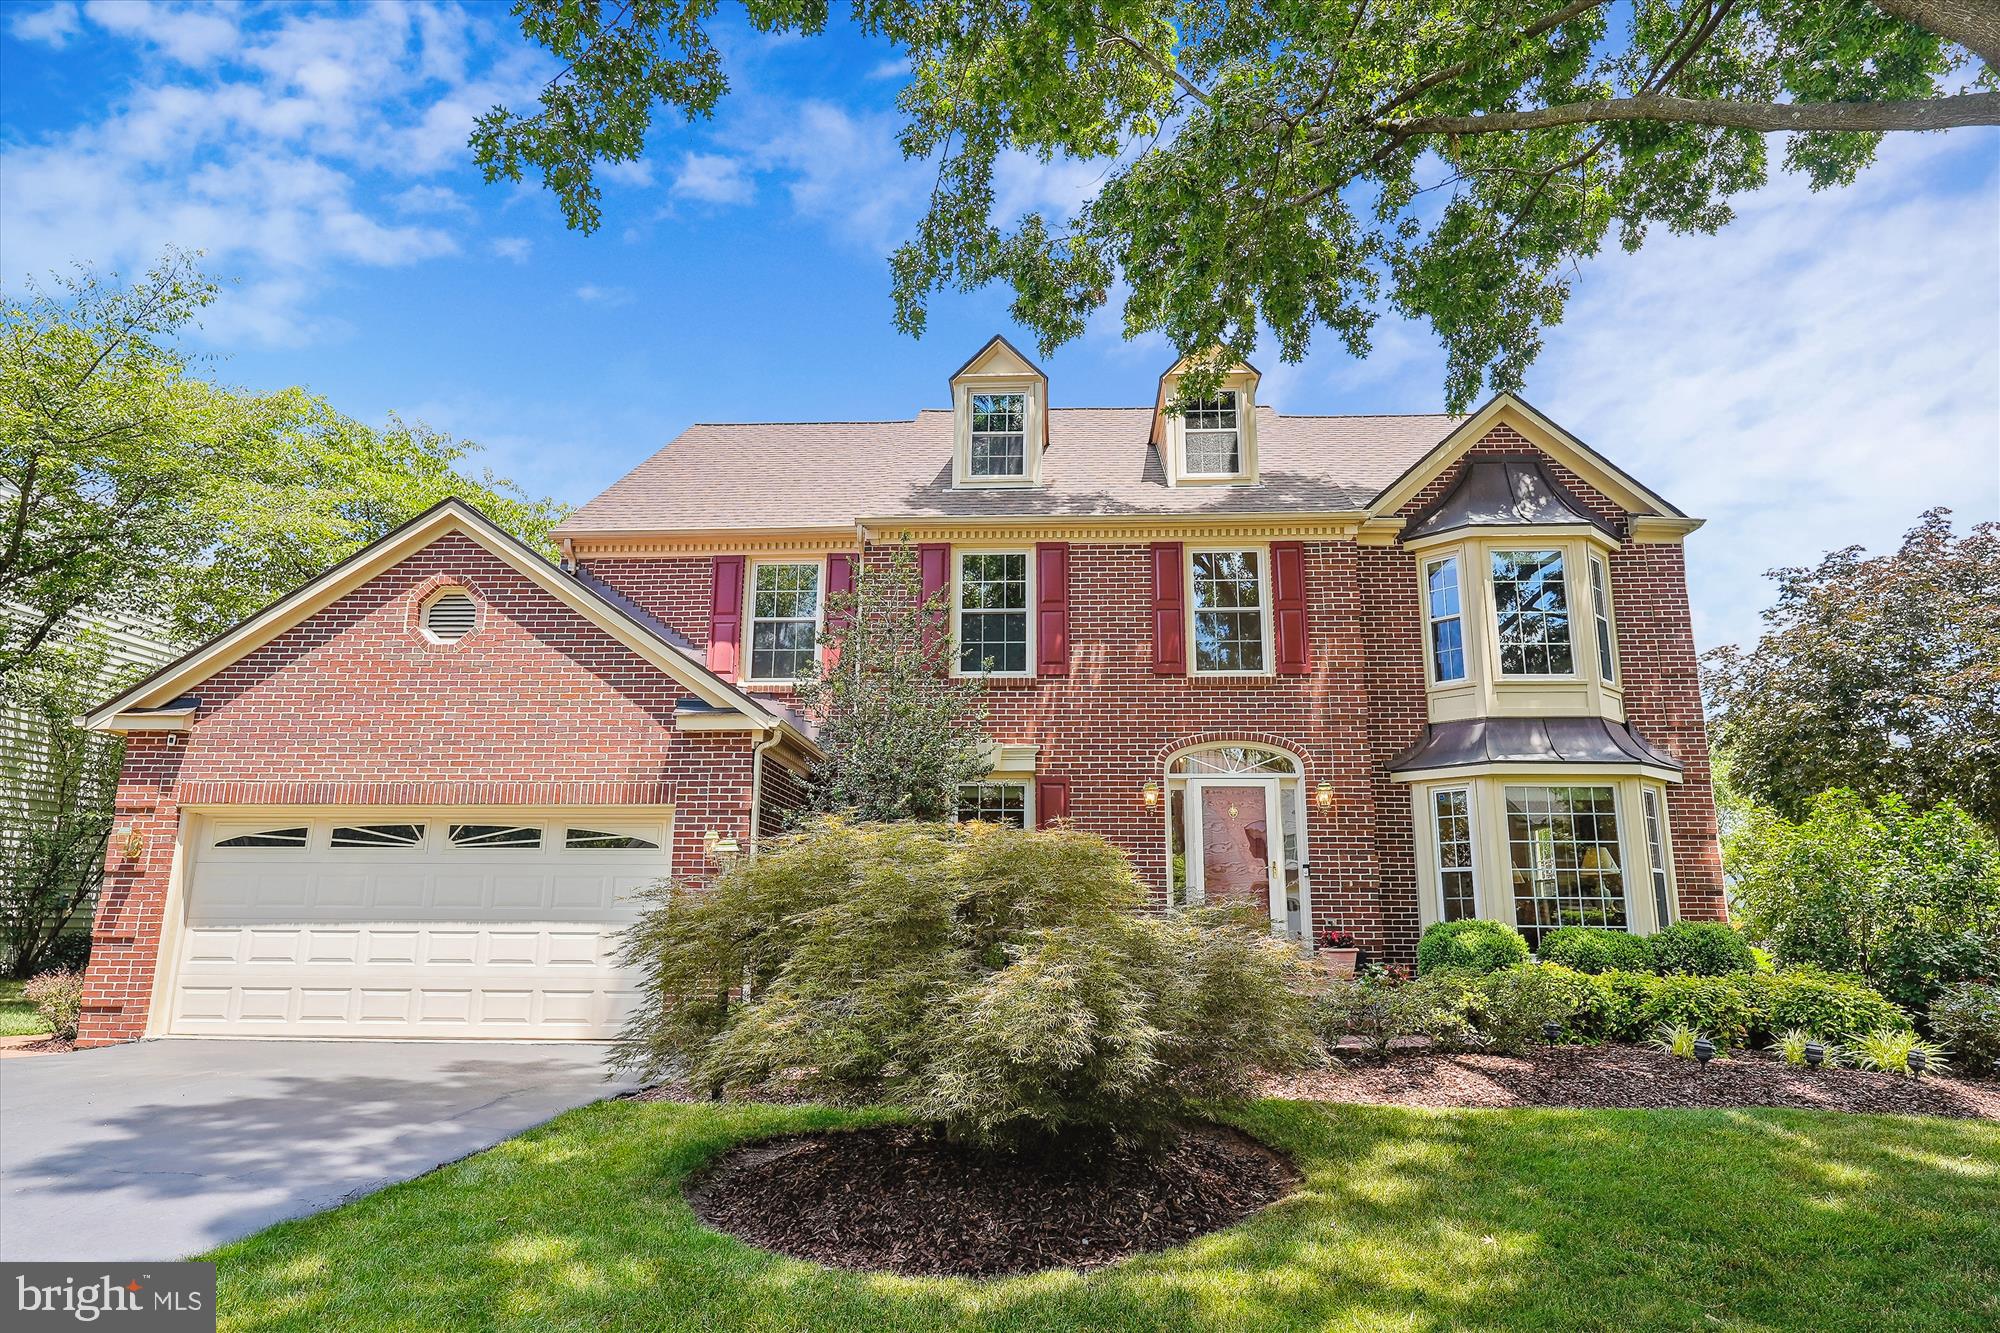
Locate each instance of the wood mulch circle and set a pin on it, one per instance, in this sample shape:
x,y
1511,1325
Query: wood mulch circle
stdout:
x,y
897,1199
1633,1076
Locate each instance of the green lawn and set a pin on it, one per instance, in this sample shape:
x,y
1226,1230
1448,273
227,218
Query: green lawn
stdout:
x,y
17,1016
1408,1220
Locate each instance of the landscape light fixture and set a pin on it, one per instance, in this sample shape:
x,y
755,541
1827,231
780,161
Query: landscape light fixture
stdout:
x,y
1550,1031
1918,1060
1815,1054
1704,1050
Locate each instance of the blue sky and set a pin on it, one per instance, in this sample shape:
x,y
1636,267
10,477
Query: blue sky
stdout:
x,y
1817,375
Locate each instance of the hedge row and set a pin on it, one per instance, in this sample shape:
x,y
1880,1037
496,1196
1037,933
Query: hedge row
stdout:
x,y
1743,1007
1686,948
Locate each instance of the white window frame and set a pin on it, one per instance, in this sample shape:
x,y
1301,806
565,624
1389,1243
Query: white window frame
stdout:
x,y
1024,781
749,642
1500,672
1431,795
1033,422
1657,835
1621,825
1431,622
958,555
1264,609
1602,626
1242,449
972,432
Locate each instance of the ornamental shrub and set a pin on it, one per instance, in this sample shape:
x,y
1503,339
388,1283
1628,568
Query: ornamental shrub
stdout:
x,y
58,1000
1701,949
1824,1005
1620,1008
1966,1018
1714,1006
1594,949
1378,1010
1471,945
1510,1006
1000,984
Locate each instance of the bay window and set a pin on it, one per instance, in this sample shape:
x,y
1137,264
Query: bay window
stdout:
x,y
1600,610
1451,822
1447,630
992,611
1656,853
784,619
1531,613
1563,854
1231,628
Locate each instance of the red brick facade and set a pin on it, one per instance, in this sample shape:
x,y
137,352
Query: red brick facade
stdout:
x,y
354,706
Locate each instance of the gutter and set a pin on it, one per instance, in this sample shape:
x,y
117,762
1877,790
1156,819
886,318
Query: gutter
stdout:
x,y
757,784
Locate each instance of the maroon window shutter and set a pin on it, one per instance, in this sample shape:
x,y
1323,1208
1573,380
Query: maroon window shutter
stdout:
x,y
934,568
725,615
839,582
1288,602
1169,611
1051,801
1052,608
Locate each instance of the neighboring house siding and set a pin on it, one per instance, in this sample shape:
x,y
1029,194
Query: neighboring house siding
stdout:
x,y
538,707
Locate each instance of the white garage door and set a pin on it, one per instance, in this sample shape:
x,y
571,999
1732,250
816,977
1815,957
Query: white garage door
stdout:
x,y
412,924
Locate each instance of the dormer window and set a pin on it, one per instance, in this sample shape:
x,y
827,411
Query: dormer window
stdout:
x,y
999,404
1213,440
999,434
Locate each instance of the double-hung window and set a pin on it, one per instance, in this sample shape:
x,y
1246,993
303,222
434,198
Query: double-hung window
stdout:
x,y
1231,628
1212,437
994,803
993,613
1600,610
1531,613
1656,852
1447,628
784,619
1563,852
999,435
1451,820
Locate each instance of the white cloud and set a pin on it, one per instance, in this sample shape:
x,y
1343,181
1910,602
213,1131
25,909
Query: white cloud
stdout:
x,y
713,178
283,142
52,26
515,248
610,296
638,174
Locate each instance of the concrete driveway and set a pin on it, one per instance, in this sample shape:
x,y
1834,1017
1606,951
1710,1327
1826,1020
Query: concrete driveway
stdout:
x,y
161,1149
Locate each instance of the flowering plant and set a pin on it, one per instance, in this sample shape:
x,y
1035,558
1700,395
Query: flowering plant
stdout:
x,y
1333,938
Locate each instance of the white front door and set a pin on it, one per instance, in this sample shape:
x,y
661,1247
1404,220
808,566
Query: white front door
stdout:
x,y
425,923
1233,828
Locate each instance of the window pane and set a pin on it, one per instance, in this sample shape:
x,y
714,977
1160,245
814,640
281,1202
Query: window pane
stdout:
x,y
1600,608
1656,852
784,620
1562,847
378,835
999,435
583,839
1531,613
1211,438
1447,633
1235,759
1228,615
1451,816
994,803
993,612
495,835
277,837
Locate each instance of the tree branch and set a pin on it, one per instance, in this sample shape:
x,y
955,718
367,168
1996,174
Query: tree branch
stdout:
x,y
1157,65
1930,113
1972,24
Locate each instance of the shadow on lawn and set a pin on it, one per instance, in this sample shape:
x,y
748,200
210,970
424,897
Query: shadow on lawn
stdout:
x,y
1407,1219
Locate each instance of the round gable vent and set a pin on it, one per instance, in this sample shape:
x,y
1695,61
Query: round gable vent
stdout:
x,y
450,616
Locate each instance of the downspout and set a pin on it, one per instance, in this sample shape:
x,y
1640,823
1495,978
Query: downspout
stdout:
x,y
757,784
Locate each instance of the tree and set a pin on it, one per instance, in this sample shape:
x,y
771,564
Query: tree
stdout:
x,y
1878,674
130,485
1909,900
1002,984
1279,163
901,734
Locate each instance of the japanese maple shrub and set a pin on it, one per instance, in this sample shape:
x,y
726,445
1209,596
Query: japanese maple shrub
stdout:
x,y
1000,984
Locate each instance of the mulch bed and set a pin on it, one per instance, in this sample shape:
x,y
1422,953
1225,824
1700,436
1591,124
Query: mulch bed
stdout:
x,y
1612,1075
900,1200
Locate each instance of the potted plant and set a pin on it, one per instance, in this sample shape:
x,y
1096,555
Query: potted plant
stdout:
x,y
1338,951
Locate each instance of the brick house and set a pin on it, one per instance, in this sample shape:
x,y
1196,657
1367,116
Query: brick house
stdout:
x,y
1365,672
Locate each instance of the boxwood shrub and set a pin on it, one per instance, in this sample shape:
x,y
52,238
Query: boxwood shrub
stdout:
x,y
1593,949
1966,1018
1471,945
1827,1005
1701,949
1738,1008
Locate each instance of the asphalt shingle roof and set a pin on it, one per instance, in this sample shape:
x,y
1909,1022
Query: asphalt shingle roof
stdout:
x,y
1098,464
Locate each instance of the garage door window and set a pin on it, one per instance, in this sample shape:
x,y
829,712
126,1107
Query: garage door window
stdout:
x,y
583,839
495,836
378,835
276,837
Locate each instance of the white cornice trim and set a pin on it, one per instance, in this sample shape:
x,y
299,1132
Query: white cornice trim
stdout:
x,y
1536,769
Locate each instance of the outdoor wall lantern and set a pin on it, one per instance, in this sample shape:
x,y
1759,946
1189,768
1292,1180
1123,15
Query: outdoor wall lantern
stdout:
x,y
1323,794
718,845
1151,792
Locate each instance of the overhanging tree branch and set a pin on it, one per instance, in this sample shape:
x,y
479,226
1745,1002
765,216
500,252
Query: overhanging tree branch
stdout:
x,y
1930,113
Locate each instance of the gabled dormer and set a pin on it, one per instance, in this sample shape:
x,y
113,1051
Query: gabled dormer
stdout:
x,y
999,403
1211,440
